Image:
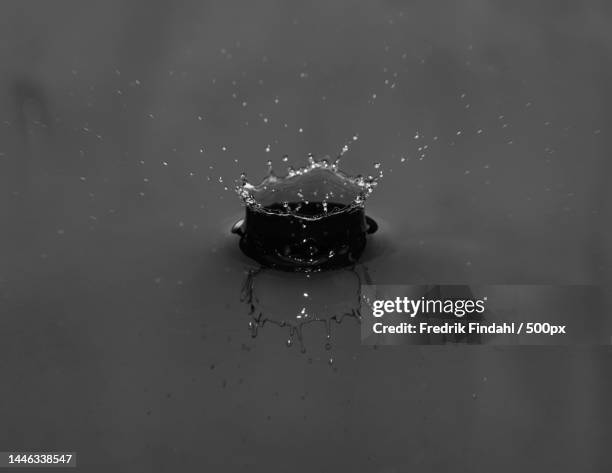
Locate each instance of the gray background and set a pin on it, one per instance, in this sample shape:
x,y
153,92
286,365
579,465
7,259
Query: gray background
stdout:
x,y
122,336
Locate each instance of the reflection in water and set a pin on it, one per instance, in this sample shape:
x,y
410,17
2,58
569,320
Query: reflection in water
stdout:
x,y
297,300
294,301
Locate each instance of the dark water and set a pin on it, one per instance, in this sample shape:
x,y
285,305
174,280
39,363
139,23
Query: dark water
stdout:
x,y
307,209
123,335
304,236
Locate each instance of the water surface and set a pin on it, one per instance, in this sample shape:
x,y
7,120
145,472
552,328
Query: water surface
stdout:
x,y
123,335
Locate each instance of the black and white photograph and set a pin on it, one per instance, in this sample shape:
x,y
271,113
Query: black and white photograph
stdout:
x,y
329,236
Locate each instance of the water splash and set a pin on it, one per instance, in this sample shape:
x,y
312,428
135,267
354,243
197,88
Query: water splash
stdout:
x,y
320,181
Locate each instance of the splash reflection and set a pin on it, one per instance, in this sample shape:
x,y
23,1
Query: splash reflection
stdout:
x,y
295,301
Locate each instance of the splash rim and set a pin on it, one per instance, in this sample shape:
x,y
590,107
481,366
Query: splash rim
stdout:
x,y
363,188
